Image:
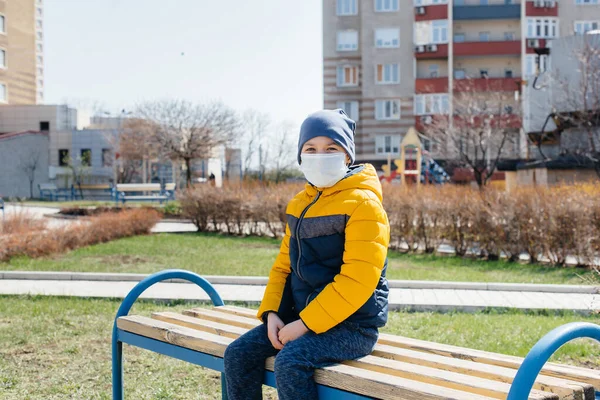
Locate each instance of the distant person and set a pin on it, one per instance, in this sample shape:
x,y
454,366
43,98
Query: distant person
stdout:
x,y
327,293
211,179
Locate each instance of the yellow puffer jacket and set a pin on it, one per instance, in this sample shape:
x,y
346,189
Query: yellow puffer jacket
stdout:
x,y
332,261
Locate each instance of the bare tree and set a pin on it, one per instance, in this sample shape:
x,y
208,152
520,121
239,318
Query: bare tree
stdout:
x,y
185,131
283,150
483,129
29,166
255,129
575,100
81,168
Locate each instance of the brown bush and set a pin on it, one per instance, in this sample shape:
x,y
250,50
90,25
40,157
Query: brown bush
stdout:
x,y
98,229
543,222
20,222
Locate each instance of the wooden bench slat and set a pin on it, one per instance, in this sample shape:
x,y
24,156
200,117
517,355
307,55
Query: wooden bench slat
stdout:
x,y
410,371
562,387
340,376
565,389
224,318
215,328
550,369
240,311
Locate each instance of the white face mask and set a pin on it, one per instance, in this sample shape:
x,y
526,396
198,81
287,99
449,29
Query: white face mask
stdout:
x,y
323,170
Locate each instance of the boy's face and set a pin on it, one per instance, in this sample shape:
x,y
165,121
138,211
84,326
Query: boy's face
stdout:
x,y
323,145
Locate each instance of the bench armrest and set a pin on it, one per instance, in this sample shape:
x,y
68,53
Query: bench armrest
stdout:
x,y
543,350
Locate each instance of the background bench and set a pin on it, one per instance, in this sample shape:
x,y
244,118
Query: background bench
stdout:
x,y
398,368
49,191
123,192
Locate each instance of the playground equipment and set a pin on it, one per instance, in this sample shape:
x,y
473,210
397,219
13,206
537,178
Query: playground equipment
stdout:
x,y
415,165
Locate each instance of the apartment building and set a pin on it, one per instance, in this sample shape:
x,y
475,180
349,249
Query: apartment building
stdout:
x,y
391,63
21,52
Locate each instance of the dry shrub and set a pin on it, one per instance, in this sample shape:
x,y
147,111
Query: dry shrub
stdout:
x,y
543,222
20,222
252,209
98,229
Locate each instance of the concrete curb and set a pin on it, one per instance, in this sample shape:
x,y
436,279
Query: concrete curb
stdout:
x,y
261,281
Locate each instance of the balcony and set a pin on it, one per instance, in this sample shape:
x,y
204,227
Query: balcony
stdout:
x,y
431,85
531,10
500,11
499,48
487,84
434,51
431,12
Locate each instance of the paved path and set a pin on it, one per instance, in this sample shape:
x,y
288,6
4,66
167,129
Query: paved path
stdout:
x,y
418,299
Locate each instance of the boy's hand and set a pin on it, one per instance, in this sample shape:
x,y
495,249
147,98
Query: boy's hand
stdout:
x,y
292,331
274,325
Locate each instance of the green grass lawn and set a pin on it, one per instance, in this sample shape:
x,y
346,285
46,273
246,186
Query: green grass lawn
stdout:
x,y
212,254
60,348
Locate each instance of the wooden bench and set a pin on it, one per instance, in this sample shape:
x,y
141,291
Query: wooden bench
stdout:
x,y
123,192
49,191
96,189
398,368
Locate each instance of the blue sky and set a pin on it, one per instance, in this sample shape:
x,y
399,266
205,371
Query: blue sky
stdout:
x,y
262,54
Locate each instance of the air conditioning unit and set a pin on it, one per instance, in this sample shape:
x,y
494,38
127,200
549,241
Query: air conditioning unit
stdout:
x,y
508,109
432,48
538,3
420,49
426,119
550,3
420,11
533,43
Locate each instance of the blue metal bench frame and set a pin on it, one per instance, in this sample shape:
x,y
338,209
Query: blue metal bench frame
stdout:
x,y
520,389
55,194
162,196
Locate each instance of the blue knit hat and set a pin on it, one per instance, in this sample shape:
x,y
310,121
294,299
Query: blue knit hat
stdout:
x,y
333,124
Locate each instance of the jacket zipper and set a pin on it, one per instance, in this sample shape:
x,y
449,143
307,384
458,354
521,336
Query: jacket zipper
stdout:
x,y
298,231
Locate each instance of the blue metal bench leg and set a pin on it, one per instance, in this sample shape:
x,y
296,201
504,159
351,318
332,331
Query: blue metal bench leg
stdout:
x,y
132,296
543,350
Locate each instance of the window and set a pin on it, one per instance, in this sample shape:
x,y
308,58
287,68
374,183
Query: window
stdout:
x,y
434,103
350,107
484,73
40,59
386,144
3,92
484,36
39,35
434,71
387,73
2,28
2,58
387,38
63,158
38,24
40,82
531,64
86,157
508,73
107,158
509,36
439,31
40,71
483,2
347,7
347,40
459,37
40,47
39,12
459,74
582,27
585,2
386,5
387,109
44,126
542,28
431,32
347,75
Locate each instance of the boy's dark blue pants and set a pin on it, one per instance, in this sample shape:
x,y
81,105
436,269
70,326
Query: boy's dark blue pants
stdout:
x,y
294,365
